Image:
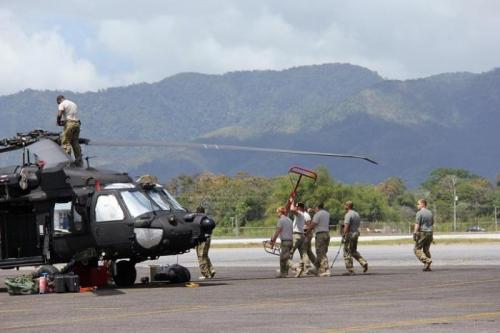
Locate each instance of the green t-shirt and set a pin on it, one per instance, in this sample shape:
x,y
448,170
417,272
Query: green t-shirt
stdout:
x,y
424,219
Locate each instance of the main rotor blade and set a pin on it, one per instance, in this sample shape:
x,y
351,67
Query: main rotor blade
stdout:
x,y
128,143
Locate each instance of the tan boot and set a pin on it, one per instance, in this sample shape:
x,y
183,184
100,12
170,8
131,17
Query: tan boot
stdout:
x,y
427,267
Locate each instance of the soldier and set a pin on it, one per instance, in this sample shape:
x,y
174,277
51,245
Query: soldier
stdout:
x,y
298,235
284,229
350,235
309,257
321,223
422,234
68,117
206,268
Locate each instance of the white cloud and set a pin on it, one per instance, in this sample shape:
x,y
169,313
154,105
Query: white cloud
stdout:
x,y
41,60
131,42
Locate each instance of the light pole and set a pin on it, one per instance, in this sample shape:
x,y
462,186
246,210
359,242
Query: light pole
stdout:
x,y
455,199
496,219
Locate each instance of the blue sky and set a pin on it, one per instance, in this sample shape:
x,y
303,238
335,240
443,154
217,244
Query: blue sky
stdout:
x,y
81,45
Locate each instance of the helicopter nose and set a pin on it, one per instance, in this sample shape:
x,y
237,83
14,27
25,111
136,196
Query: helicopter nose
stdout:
x,y
207,225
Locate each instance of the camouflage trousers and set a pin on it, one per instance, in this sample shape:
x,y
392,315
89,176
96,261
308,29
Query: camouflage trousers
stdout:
x,y
351,251
297,244
309,257
322,243
69,139
422,246
206,268
286,246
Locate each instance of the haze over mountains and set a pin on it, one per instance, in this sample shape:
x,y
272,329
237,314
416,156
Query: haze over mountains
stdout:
x,y
410,127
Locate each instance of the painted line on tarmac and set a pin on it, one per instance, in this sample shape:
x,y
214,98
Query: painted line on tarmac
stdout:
x,y
98,318
451,284
265,304
415,322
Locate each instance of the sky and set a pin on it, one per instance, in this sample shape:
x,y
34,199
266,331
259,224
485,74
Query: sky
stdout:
x,y
83,45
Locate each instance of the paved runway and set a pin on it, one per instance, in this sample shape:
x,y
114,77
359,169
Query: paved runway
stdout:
x,y
460,295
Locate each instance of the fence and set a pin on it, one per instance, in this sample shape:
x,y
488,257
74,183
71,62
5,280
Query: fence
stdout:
x,y
366,228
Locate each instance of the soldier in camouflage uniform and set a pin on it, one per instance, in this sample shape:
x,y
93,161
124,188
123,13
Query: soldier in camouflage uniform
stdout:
x,y
300,219
422,234
321,223
309,257
284,230
206,268
68,117
350,235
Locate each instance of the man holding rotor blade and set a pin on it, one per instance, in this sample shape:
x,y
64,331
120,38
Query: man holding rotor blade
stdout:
x,y
309,257
284,230
298,235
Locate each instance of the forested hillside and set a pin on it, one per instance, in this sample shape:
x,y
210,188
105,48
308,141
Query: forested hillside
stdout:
x,y
410,127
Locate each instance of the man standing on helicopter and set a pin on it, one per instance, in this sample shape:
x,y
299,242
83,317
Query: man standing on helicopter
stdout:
x,y
68,117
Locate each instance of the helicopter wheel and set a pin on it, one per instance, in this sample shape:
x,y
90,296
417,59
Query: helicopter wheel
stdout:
x,y
125,274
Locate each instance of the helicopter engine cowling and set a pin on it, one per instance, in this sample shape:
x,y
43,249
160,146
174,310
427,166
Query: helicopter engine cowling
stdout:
x,y
29,177
17,180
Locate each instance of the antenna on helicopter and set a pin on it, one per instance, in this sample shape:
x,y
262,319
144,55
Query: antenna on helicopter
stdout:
x,y
87,160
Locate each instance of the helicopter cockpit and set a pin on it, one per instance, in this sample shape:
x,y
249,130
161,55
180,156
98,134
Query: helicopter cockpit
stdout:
x,y
138,203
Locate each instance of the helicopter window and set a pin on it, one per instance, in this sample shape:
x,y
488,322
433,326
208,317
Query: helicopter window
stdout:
x,y
66,217
119,186
62,215
137,203
107,208
164,199
159,200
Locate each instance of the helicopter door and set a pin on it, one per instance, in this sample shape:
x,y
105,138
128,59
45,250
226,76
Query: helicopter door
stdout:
x,y
110,229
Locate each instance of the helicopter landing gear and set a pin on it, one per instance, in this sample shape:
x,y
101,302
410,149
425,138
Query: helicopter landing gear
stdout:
x,y
125,273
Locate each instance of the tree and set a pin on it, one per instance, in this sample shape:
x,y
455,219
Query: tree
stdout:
x,y
475,194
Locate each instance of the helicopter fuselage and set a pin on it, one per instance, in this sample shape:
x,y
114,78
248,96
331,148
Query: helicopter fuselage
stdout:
x,y
62,213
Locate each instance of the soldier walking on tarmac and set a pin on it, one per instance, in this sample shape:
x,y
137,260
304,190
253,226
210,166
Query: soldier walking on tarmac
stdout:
x,y
422,234
321,223
350,235
284,230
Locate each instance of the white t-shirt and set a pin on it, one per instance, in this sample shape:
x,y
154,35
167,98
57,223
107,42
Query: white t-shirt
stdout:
x,y
286,228
70,110
299,221
307,217
322,221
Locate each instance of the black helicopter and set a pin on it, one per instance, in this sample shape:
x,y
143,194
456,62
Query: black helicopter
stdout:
x,y
53,211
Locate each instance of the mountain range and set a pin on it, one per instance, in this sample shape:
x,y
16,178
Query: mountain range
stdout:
x,y
410,127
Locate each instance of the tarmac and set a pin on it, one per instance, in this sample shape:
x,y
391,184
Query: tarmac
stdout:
x,y
461,294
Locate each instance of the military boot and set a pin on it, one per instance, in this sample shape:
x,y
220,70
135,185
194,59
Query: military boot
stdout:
x,y
427,267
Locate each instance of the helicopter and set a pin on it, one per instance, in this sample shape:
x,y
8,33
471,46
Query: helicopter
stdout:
x,y
53,210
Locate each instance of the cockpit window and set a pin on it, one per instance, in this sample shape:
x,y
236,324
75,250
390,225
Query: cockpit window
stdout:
x,y
107,208
138,203
157,198
164,199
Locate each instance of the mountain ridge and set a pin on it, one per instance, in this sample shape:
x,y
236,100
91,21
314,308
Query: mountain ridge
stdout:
x,y
336,107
